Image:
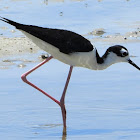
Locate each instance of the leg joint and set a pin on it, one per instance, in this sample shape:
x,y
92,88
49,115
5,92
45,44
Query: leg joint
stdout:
x,y
23,77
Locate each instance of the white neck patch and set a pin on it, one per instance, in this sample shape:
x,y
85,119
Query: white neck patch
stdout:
x,y
123,50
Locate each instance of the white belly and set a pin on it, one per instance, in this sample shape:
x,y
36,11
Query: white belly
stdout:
x,y
80,59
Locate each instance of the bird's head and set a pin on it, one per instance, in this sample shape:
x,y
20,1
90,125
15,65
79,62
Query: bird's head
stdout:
x,y
119,53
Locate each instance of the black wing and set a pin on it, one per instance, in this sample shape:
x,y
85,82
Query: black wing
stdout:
x,y
66,41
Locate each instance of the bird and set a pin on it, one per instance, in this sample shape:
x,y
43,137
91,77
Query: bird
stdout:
x,y
70,48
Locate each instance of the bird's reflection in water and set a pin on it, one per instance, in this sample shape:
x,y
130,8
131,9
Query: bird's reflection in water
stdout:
x,y
64,134
64,137
48,126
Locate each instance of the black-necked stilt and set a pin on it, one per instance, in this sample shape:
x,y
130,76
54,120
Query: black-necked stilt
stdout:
x,y
72,49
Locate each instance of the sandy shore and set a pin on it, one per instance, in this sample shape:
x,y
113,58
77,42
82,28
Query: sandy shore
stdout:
x,y
128,37
18,52
16,46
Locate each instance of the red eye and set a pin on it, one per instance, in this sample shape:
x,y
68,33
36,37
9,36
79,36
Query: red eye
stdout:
x,y
124,54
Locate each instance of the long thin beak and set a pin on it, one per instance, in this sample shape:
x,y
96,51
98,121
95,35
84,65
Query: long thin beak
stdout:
x,y
132,63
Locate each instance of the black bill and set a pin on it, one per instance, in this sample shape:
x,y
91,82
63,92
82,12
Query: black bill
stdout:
x,y
132,63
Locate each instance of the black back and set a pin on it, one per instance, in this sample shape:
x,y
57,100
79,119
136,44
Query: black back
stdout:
x,y
66,41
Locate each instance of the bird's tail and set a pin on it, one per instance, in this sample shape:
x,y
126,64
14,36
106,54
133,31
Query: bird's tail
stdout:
x,y
17,25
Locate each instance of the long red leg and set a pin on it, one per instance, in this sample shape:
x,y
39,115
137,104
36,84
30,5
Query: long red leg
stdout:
x,y
23,77
62,100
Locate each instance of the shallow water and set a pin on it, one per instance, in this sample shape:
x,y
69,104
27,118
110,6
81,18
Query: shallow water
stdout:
x,y
105,108
80,16
100,104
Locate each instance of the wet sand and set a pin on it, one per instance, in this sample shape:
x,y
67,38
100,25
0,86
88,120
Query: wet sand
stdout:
x,y
16,46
